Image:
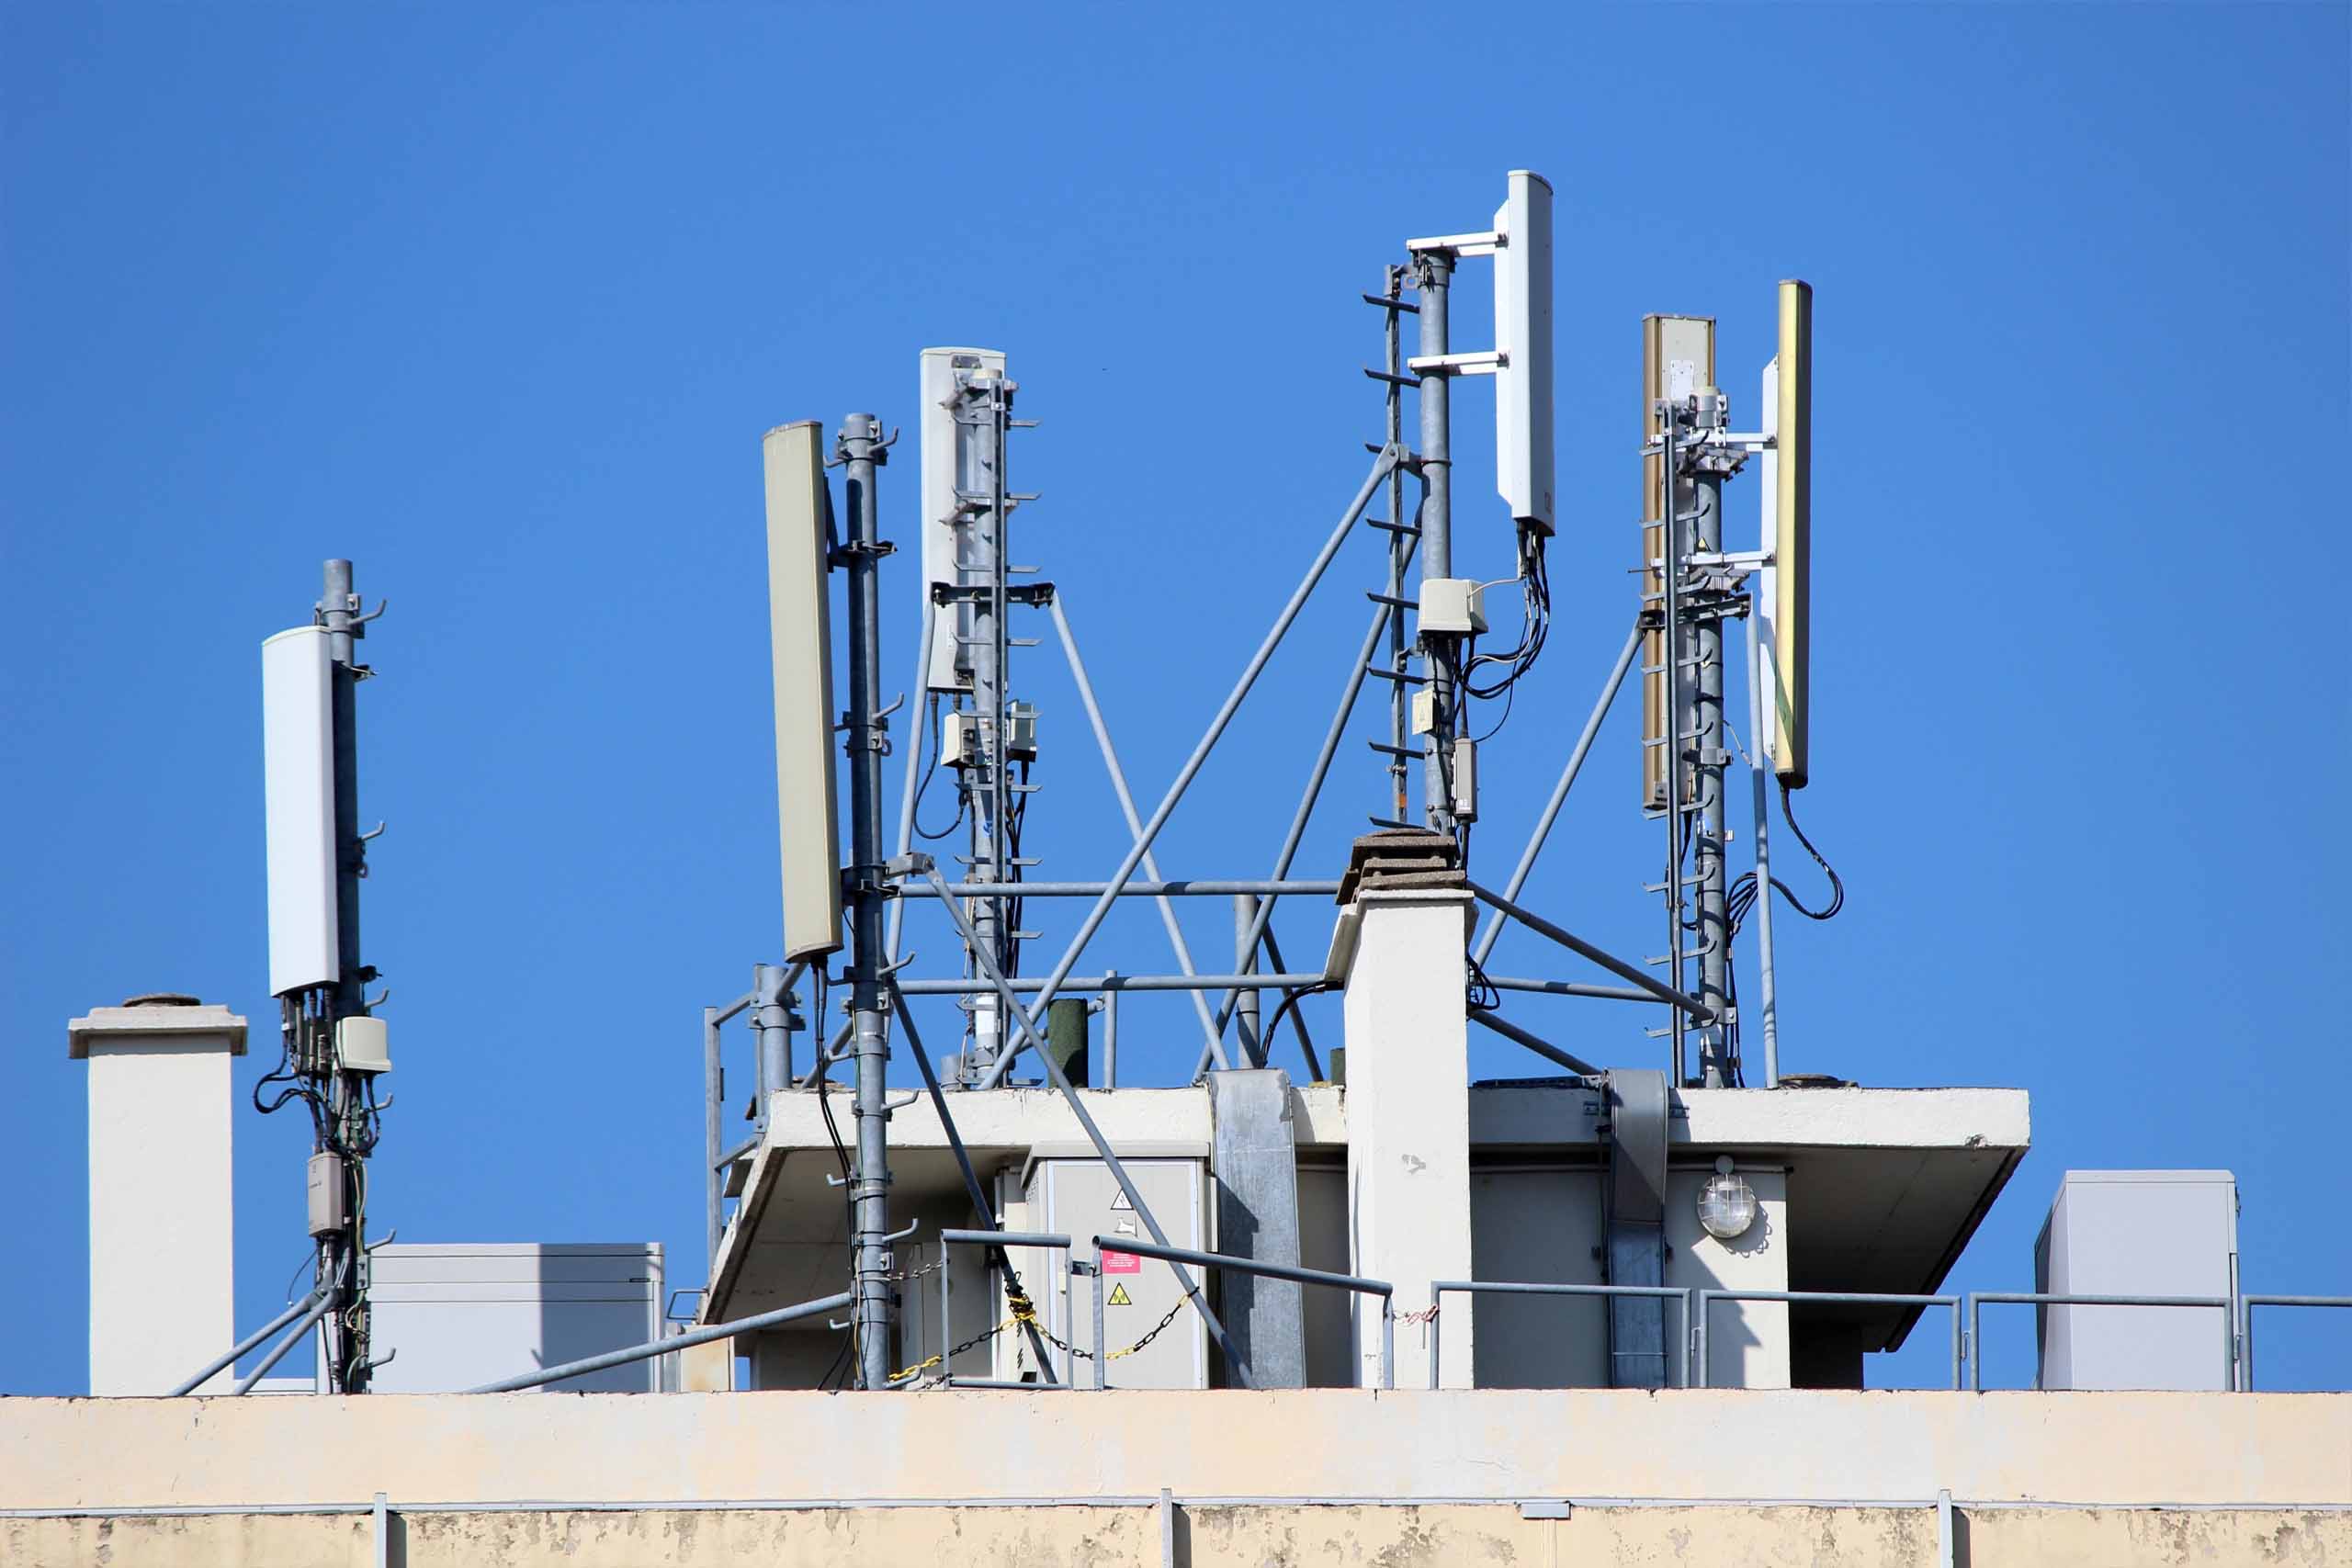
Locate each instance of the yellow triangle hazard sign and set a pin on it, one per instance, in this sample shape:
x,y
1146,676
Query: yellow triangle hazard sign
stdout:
x,y
1119,1297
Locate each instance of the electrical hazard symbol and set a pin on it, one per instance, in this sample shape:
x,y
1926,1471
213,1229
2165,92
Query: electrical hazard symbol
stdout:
x,y
1119,1201
1119,1297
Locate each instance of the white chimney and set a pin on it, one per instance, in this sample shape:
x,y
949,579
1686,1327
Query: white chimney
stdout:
x,y
162,1296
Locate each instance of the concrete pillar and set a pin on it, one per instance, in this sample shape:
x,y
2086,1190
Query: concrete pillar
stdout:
x,y
162,1296
1408,1120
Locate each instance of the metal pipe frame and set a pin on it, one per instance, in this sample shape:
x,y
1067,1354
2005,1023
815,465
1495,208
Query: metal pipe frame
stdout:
x,y
2247,1302
1387,459
1128,808
1576,944
1551,812
780,1317
1535,1043
1356,1282
1568,989
1191,888
1708,1297
1089,985
1439,1288
247,1343
322,1303
1976,1298
916,721
1028,1025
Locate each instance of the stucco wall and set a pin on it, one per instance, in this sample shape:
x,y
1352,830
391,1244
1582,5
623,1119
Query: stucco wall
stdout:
x,y
2276,1450
1198,1537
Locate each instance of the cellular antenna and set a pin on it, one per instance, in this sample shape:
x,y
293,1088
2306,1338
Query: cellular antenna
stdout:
x,y
802,647
332,1046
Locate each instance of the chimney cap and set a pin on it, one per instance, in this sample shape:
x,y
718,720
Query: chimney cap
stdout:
x,y
164,999
162,1019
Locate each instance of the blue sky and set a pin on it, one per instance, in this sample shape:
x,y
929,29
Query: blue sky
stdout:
x,y
497,303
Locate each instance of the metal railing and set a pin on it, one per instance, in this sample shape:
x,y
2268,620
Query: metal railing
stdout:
x,y
1440,1288
1355,1282
949,1238
1708,1297
1977,1299
2247,1304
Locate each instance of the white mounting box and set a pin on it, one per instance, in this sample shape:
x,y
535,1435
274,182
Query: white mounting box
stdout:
x,y
2138,1233
1454,606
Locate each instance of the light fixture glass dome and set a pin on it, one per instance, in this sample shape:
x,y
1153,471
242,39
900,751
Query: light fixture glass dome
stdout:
x,y
1726,1203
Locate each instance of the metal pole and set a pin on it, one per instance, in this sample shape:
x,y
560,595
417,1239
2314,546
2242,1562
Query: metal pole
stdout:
x,y
321,1305
1380,466
686,1341
980,430
247,1343
1110,1039
862,450
1671,574
1710,758
1535,1043
772,1026
1245,960
1027,1022
714,1093
1560,791
914,755
342,1264
1128,806
1433,277
1768,1004
1400,555
1576,944
1102,1347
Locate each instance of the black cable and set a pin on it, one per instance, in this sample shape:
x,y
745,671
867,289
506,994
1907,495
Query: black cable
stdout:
x,y
1836,884
1274,1026
929,741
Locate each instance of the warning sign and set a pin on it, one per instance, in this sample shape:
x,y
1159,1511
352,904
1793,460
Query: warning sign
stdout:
x,y
1119,1297
1119,1202
1121,1262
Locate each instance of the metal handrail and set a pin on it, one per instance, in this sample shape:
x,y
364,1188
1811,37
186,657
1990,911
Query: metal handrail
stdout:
x,y
2043,1298
1439,1288
2247,1301
663,1346
995,1238
1708,1296
1355,1282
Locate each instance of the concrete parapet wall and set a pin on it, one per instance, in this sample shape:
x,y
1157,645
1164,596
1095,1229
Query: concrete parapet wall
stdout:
x,y
1294,1477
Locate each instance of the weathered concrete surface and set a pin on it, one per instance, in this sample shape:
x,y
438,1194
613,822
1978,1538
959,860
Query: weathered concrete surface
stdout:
x,y
2230,1450
1204,1537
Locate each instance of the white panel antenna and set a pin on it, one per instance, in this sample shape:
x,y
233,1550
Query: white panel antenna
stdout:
x,y
937,388
1523,340
298,751
801,643
1763,713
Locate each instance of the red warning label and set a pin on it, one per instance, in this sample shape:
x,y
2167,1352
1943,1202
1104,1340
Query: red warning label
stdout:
x,y
1121,1262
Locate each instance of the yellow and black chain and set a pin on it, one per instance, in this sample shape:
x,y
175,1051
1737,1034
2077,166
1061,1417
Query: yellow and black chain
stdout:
x,y
1025,1312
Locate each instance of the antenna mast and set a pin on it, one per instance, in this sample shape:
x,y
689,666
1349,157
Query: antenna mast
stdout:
x,y
333,1047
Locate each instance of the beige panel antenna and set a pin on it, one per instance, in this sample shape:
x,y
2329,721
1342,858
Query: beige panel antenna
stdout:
x,y
1678,359
1792,536
800,640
